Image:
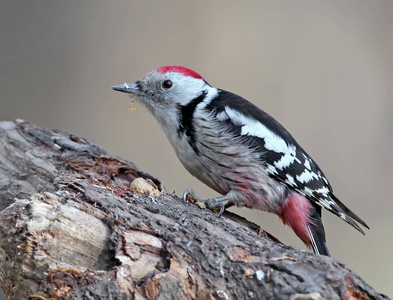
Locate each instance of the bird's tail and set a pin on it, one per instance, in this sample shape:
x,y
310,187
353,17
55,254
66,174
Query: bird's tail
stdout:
x,y
305,220
317,233
347,215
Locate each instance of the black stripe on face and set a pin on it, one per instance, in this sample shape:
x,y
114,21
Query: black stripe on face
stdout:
x,y
186,114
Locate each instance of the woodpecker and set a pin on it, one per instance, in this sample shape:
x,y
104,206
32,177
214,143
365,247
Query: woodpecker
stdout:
x,y
240,151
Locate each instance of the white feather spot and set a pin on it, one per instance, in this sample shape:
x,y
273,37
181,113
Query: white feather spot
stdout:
x,y
323,190
287,159
271,169
307,164
306,176
343,216
290,180
324,204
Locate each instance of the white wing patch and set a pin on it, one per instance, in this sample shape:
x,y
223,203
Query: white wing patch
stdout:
x,y
272,141
222,116
254,128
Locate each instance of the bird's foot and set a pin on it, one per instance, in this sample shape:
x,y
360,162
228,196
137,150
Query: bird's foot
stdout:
x,y
212,203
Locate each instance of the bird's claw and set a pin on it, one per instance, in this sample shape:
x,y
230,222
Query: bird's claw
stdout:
x,y
189,193
212,204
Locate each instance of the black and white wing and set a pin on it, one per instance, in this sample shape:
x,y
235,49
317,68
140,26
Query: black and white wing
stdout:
x,y
285,160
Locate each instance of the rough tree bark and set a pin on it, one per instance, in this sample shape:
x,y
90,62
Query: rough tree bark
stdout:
x,y
71,228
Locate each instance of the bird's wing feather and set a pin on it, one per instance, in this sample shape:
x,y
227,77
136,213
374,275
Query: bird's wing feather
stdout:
x,y
285,160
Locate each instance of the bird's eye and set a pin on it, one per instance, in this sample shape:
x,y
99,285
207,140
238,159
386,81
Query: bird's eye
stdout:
x,y
167,84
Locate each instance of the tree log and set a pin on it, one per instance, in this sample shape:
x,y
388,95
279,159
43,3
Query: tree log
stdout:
x,y
71,227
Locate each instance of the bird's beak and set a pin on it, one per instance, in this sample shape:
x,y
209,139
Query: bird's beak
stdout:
x,y
130,88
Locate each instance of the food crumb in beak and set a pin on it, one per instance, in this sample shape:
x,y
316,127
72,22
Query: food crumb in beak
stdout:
x,y
132,106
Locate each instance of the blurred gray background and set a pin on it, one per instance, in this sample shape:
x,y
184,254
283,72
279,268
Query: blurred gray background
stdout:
x,y
324,69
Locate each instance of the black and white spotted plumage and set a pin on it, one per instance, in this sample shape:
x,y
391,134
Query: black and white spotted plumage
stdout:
x,y
240,151
291,166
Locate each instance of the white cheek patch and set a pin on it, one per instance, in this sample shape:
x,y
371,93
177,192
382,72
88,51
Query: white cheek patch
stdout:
x,y
188,88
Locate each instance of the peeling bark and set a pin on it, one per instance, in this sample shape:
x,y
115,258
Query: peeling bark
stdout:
x,y
72,228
